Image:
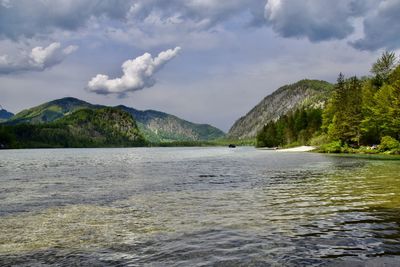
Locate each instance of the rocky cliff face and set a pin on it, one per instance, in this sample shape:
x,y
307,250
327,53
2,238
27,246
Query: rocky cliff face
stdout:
x,y
305,93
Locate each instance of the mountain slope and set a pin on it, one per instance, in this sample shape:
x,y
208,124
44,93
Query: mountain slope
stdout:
x,y
156,126
5,115
162,127
305,93
50,111
106,127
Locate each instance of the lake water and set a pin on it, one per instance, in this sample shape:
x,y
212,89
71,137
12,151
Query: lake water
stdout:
x,y
196,207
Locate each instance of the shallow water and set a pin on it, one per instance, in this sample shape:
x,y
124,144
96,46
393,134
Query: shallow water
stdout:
x,y
196,207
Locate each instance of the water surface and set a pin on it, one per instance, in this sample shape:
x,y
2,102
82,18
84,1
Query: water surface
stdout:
x,y
196,207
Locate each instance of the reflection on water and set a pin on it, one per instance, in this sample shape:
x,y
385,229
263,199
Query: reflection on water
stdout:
x,y
196,206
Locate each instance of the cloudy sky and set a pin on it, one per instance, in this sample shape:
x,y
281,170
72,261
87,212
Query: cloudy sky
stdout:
x,y
208,61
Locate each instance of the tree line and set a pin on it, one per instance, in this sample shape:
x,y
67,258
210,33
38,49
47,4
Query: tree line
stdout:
x,y
360,112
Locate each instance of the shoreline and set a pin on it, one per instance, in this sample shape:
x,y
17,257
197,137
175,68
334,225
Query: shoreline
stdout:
x,y
292,149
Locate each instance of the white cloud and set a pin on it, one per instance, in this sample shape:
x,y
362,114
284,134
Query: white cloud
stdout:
x,y
39,59
137,74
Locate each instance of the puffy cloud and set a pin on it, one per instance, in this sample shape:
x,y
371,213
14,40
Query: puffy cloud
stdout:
x,y
39,59
137,74
316,20
381,27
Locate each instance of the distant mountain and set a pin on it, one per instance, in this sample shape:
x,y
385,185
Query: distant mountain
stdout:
x,y
104,127
50,111
5,115
156,126
162,127
305,93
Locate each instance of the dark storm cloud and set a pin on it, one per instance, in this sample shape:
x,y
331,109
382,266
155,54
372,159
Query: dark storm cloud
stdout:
x,y
382,27
317,20
27,18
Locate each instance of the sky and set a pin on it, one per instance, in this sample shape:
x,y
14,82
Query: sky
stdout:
x,y
207,61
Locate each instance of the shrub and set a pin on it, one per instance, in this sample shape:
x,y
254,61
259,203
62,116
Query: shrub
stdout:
x,y
388,143
320,140
333,147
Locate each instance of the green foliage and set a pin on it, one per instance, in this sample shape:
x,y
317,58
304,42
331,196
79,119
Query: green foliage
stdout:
x,y
366,112
333,147
108,127
50,111
358,114
383,67
294,128
154,125
343,116
320,139
160,127
388,143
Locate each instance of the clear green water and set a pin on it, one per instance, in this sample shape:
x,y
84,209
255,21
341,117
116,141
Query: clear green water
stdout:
x,y
196,207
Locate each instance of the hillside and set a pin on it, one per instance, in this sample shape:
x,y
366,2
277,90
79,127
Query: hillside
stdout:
x,y
106,127
156,126
305,93
5,115
50,111
162,127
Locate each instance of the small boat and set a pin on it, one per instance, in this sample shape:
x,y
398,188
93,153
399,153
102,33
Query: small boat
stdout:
x,y
231,146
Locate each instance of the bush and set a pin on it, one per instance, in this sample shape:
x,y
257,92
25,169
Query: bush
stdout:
x,y
333,147
388,143
320,140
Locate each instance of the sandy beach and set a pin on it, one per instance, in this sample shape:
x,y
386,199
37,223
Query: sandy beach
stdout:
x,y
293,149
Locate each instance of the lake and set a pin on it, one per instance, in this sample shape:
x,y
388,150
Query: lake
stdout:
x,y
196,207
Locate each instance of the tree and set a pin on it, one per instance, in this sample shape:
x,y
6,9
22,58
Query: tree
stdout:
x,y
384,66
342,117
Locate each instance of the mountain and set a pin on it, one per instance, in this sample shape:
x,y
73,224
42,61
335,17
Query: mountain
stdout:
x,y
50,111
104,127
305,93
5,115
162,127
156,126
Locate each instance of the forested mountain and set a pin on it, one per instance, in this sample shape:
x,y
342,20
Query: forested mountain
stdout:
x,y
50,111
155,126
302,94
83,128
162,127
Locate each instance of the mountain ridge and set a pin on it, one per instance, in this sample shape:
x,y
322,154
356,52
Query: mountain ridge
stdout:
x,y
156,126
304,93
103,127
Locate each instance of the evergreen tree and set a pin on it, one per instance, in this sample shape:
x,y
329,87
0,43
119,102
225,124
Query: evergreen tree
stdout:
x,y
383,66
344,112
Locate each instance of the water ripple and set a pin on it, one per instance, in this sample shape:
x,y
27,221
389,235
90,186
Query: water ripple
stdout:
x,y
196,207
